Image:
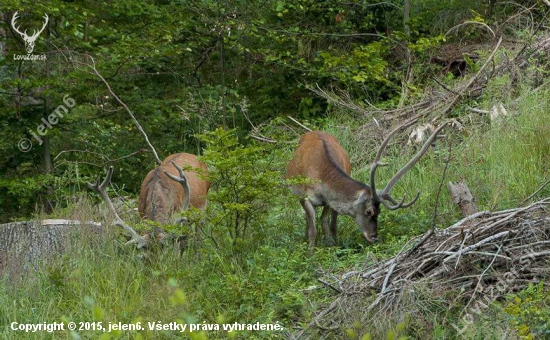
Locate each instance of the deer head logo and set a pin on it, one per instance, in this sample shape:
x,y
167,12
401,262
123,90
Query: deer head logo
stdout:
x,y
29,40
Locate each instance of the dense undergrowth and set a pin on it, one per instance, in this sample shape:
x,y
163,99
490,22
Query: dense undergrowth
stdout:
x,y
249,263
184,69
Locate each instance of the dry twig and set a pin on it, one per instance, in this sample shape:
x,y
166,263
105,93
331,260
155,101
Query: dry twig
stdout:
x,y
490,244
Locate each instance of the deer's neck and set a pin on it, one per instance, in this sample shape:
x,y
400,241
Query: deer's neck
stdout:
x,y
342,199
340,191
337,189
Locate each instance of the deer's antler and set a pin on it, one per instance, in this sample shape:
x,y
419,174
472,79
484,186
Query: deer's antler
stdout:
x,y
383,196
100,189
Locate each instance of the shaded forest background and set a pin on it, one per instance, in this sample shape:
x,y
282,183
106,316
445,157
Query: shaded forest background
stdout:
x,y
185,67
228,80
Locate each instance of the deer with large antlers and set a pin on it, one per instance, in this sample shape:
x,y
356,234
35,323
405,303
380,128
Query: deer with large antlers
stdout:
x,y
161,196
322,160
166,190
29,40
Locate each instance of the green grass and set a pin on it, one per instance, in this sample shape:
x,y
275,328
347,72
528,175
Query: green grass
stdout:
x,y
275,278
127,287
503,163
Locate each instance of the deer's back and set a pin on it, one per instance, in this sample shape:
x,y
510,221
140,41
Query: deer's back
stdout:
x,y
197,185
161,196
319,156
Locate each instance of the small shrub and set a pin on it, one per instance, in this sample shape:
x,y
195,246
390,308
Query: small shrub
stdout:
x,y
244,188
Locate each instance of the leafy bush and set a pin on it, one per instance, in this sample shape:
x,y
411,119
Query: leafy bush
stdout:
x,y
245,187
529,312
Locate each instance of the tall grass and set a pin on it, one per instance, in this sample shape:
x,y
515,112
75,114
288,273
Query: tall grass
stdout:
x,y
503,163
110,282
106,276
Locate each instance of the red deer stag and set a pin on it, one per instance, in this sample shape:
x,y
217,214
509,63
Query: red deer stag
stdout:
x,y
320,158
161,196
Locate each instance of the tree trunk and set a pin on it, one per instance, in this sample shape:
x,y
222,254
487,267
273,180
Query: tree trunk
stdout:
x,y
406,17
3,35
29,244
408,73
222,72
461,196
47,205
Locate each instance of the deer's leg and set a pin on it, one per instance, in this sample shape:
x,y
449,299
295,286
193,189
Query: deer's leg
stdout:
x,y
311,231
325,216
333,225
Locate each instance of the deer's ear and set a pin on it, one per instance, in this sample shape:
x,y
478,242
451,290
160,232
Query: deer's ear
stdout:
x,y
361,199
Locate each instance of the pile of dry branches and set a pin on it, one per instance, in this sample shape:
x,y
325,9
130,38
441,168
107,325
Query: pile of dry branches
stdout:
x,y
435,106
493,252
440,100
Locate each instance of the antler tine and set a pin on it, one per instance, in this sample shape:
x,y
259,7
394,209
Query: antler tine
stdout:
x,y
100,189
184,183
107,179
13,20
413,160
400,205
376,163
36,33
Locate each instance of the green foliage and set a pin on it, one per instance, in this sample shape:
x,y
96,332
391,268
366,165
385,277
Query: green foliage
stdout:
x,y
267,275
185,68
188,67
529,311
105,282
244,186
397,333
364,63
424,44
18,196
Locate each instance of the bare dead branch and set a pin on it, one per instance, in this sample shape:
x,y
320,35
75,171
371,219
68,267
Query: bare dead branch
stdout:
x,y
93,67
480,111
299,124
455,28
460,94
537,191
136,122
468,257
262,138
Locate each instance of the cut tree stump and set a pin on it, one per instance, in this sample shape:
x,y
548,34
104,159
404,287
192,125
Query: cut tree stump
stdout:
x,y
461,196
28,244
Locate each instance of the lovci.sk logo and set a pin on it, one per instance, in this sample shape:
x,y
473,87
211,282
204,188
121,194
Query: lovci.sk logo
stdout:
x,y
29,40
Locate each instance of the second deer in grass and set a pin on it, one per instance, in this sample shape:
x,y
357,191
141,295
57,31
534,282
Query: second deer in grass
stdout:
x,y
167,190
321,159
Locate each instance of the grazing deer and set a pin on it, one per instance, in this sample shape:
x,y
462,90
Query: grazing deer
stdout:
x,y
161,196
320,158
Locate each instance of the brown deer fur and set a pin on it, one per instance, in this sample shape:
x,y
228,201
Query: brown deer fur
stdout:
x,y
320,158
160,196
